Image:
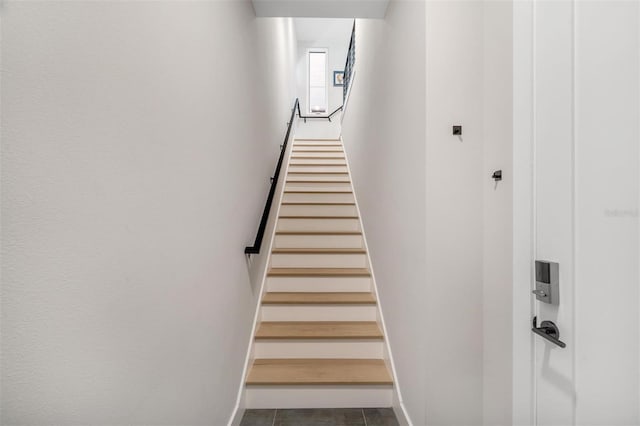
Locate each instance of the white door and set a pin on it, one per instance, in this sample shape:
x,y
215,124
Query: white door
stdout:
x,y
585,155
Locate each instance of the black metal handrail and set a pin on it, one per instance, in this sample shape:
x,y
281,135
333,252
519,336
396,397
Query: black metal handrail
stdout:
x,y
348,66
324,117
255,248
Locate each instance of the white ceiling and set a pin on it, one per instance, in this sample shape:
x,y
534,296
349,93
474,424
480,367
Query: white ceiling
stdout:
x,y
321,8
323,29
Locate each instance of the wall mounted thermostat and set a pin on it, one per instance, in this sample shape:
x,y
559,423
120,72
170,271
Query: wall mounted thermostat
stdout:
x,y
547,282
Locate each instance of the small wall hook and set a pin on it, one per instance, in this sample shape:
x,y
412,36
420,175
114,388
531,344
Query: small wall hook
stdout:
x,y
497,175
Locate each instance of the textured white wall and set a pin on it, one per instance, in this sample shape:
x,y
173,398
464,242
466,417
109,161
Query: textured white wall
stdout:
x,y
498,213
137,141
423,191
454,186
384,135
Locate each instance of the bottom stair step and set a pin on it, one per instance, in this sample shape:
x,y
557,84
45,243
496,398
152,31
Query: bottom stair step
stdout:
x,y
319,372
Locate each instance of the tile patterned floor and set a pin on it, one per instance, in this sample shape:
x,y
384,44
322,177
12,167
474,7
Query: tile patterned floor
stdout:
x,y
321,417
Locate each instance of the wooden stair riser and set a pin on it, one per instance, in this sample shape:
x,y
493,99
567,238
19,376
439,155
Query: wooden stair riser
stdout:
x,y
283,397
318,198
318,313
287,224
318,284
317,169
319,261
318,349
318,210
318,241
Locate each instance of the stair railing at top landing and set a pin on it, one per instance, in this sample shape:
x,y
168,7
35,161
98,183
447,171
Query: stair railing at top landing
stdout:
x,y
348,73
348,66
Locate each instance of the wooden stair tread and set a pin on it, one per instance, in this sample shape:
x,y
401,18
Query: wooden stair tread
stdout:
x,y
302,152
317,217
315,157
289,172
318,233
319,251
319,272
316,139
318,181
322,191
317,145
318,203
318,330
311,371
301,298
318,164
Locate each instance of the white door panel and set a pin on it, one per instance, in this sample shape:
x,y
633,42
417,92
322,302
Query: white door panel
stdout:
x,y
554,203
585,135
607,280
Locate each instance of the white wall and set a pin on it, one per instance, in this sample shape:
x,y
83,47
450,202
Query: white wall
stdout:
x,y
428,203
137,142
384,135
454,185
498,213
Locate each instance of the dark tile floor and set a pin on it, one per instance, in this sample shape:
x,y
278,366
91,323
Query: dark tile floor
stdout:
x,y
321,417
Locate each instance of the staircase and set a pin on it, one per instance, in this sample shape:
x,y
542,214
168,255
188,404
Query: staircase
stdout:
x,y
319,341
